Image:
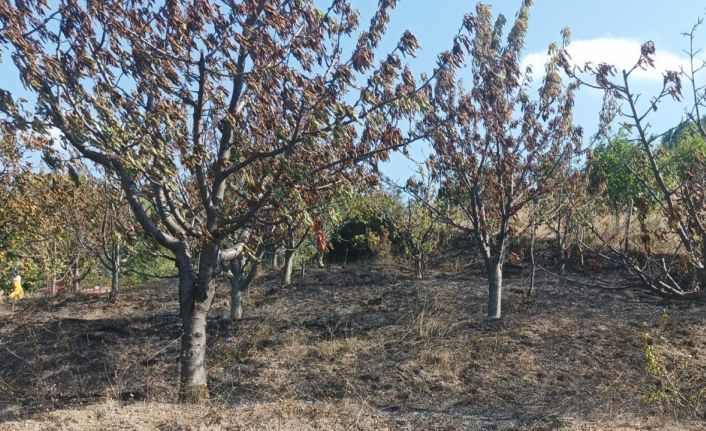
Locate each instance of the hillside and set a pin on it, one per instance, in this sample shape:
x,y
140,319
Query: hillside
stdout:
x,y
362,348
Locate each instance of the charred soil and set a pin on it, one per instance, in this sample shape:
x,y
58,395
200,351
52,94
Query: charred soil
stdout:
x,y
363,347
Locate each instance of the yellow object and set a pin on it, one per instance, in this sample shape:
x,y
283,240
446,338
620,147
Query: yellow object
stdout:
x,y
17,291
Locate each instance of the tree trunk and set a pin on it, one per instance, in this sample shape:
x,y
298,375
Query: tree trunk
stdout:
x,y
115,281
533,262
276,259
53,272
75,279
288,267
627,227
702,271
73,274
195,298
236,290
580,246
561,245
236,300
419,266
321,259
115,271
240,283
495,288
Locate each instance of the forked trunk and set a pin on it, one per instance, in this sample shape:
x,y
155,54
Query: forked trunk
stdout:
x,y
195,298
240,283
495,289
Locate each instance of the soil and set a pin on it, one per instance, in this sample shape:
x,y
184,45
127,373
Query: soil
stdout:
x,y
363,347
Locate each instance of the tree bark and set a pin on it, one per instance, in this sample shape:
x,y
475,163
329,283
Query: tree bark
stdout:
x,y
702,271
419,266
75,280
240,282
115,271
321,260
495,287
115,281
288,267
236,290
276,259
627,227
580,246
561,245
236,300
53,271
533,262
195,299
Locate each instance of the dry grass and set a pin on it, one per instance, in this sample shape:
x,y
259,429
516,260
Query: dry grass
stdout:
x,y
361,348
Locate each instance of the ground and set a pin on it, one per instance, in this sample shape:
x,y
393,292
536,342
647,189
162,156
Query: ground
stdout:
x,y
363,347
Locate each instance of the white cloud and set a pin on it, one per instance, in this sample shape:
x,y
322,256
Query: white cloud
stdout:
x,y
620,52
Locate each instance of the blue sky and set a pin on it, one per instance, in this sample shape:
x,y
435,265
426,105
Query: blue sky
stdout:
x,y
602,30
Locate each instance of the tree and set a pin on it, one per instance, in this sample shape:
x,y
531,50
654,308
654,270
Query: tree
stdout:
x,y
19,215
560,210
609,176
296,232
363,225
116,236
74,216
680,149
417,227
495,145
677,185
204,112
242,271
45,229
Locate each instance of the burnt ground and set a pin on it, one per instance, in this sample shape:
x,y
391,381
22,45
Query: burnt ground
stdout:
x,y
363,347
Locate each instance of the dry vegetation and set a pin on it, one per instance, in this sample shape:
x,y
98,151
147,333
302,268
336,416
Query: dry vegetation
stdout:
x,y
362,348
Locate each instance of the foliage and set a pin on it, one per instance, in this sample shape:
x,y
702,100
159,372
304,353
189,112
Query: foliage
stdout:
x,y
17,215
419,226
207,113
679,151
495,146
39,241
618,170
665,385
146,262
674,180
365,226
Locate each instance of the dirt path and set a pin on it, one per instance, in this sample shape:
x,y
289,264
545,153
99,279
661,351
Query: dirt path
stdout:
x,y
362,348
